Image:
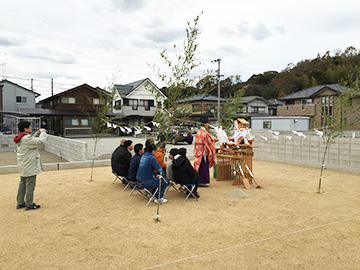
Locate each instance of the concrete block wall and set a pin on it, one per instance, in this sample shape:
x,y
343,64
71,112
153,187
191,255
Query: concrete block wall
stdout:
x,y
343,155
7,143
69,149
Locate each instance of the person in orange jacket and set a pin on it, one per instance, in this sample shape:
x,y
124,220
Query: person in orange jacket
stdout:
x,y
159,155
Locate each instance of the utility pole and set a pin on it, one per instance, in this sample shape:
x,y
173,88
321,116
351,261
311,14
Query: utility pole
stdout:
x,y
218,78
52,86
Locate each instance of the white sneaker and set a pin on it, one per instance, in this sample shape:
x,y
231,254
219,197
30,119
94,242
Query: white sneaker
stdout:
x,y
161,201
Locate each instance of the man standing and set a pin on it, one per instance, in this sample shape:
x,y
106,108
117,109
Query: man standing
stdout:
x,y
28,162
204,153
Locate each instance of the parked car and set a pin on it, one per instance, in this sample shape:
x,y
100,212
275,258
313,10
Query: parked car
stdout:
x,y
5,130
176,135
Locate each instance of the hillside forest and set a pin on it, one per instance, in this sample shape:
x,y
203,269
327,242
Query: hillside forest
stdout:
x,y
331,68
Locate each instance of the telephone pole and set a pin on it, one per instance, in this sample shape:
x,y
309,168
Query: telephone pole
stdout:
x,y
218,78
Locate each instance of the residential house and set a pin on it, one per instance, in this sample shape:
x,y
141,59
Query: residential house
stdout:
x,y
13,98
69,113
135,103
201,105
310,101
253,106
273,104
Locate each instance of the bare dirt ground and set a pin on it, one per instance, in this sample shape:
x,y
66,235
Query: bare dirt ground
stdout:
x,y
95,225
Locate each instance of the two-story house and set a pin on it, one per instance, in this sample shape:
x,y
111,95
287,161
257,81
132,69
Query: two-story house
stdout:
x,y
14,98
69,113
253,106
135,103
310,101
201,105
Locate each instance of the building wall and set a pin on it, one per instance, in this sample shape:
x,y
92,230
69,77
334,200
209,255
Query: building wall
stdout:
x,y
144,92
10,92
280,123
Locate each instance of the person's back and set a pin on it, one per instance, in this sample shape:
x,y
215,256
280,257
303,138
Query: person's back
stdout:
x,y
135,161
147,172
120,159
183,171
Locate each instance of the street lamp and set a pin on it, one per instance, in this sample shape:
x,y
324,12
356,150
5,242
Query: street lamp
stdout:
x,y
218,78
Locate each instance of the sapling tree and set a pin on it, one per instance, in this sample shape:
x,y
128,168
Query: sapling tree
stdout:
x,y
177,80
100,117
338,113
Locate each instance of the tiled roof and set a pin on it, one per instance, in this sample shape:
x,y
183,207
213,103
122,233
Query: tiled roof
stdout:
x,y
274,102
201,97
251,98
125,89
311,91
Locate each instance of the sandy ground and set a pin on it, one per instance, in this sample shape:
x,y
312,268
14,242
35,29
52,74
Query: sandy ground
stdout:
x,y
95,225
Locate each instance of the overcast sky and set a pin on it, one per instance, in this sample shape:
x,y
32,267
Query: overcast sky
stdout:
x,y
90,41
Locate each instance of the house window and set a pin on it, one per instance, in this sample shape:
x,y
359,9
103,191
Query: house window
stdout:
x,y
306,101
326,110
258,109
71,122
20,99
266,124
131,102
289,102
196,107
84,122
117,104
98,101
147,104
68,100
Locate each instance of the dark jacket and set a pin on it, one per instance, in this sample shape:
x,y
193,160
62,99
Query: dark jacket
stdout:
x,y
120,161
183,170
134,165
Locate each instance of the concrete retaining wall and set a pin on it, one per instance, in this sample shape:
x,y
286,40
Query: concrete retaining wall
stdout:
x,y
69,149
343,155
7,143
60,166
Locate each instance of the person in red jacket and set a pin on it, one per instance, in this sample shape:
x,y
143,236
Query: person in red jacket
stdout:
x,y
28,162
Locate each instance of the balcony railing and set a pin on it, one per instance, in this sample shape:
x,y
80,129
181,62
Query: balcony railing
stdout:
x,y
137,110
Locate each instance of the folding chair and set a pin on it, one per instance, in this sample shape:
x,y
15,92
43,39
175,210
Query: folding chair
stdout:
x,y
123,180
189,189
171,184
144,191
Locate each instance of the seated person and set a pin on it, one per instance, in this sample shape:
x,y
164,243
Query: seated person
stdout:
x,y
135,161
120,159
159,155
147,172
183,171
169,171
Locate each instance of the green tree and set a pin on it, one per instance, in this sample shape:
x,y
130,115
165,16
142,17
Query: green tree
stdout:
x,y
178,82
